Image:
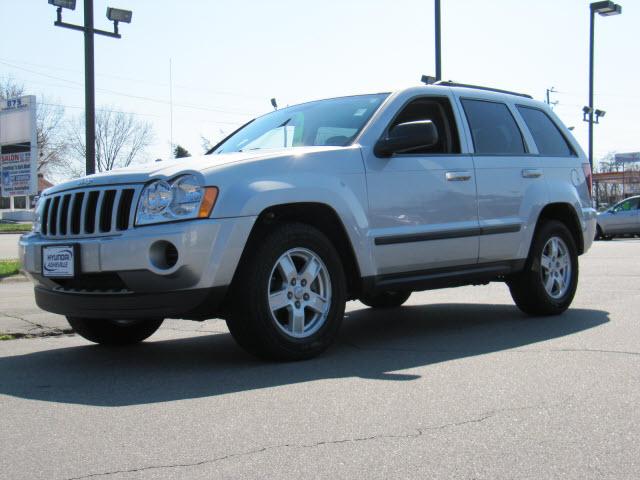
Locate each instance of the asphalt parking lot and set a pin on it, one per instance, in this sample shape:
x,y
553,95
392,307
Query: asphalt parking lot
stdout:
x,y
457,384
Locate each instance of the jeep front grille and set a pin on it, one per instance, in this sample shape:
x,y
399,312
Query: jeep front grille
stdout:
x,y
89,212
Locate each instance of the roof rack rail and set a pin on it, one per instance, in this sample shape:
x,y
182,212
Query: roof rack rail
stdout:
x,y
449,83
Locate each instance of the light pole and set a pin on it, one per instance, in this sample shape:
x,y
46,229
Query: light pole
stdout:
x,y
438,42
605,9
116,15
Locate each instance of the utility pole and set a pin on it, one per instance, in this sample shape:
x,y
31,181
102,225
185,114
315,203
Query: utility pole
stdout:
x,y
115,15
605,9
438,42
170,110
89,90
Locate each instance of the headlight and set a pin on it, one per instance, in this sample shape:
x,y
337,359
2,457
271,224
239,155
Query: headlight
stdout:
x,y
37,220
182,198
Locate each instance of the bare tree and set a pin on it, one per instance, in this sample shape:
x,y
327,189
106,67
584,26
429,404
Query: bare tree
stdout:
x,y
52,144
10,89
206,142
120,139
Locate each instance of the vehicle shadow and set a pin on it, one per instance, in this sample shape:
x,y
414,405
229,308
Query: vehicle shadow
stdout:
x,y
371,345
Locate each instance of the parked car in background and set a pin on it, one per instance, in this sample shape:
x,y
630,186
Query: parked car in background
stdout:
x,y
621,219
368,197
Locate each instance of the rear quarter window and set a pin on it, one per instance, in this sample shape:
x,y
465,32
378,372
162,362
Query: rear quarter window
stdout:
x,y
549,140
493,128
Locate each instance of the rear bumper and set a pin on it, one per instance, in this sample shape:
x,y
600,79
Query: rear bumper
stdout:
x,y
589,225
189,304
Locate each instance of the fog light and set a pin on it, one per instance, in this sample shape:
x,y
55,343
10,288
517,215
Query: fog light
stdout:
x,y
163,255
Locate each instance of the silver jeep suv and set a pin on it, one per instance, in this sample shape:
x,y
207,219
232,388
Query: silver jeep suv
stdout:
x,y
368,197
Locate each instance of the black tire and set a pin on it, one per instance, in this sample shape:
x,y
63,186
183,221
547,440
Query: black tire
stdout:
x,y
527,287
250,320
114,332
385,299
599,235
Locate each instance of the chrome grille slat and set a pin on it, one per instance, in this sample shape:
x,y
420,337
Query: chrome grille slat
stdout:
x,y
83,211
114,210
118,207
96,220
134,204
59,215
69,213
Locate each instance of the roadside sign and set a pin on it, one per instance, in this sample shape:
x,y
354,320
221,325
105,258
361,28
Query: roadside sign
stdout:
x,y
17,174
18,147
627,157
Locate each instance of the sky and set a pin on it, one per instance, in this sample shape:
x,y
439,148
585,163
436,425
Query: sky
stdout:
x,y
229,58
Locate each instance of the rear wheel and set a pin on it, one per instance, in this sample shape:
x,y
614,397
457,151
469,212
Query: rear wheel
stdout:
x,y
114,332
289,295
385,299
549,281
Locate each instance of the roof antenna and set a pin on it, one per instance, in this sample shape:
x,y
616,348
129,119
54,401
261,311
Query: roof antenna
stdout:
x,y
274,104
428,79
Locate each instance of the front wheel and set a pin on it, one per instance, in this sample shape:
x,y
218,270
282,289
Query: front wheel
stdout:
x,y
549,281
114,332
289,294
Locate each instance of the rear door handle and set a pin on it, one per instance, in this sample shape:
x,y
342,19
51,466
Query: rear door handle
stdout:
x,y
531,173
461,176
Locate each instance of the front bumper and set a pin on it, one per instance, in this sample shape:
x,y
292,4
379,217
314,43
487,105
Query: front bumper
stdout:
x,y
191,304
118,278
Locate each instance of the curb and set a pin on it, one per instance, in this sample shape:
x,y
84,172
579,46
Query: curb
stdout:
x,y
17,278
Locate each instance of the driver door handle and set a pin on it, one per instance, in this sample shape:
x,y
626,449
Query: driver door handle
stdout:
x,y
460,176
531,173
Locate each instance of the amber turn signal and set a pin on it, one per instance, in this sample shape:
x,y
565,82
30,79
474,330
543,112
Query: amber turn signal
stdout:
x,y
208,201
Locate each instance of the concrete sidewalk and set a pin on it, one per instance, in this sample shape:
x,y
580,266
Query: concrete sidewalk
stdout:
x,y
19,314
20,317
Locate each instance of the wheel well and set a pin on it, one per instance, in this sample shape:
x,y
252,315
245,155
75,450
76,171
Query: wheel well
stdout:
x,y
565,213
325,219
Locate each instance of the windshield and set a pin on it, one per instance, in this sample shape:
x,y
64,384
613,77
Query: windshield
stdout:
x,y
333,122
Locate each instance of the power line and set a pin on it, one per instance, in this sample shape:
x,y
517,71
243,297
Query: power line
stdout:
x,y
132,113
138,97
131,79
100,109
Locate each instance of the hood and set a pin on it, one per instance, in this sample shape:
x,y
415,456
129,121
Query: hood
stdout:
x,y
144,172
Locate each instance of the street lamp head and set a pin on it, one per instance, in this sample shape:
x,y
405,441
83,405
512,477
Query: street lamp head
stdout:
x,y
69,4
586,110
606,8
600,113
119,15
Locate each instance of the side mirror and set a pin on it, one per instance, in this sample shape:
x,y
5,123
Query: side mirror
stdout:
x,y
407,136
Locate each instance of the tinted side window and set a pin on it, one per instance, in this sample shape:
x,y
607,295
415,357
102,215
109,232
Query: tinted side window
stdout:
x,y
438,110
493,128
627,205
545,133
